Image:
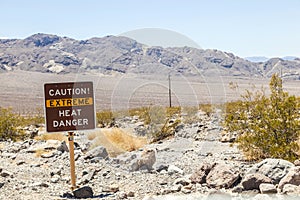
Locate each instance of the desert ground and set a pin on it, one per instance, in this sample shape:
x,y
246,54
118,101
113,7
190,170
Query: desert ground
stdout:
x,y
23,91
39,168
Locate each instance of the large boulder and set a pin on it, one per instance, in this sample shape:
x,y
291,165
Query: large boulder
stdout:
x,y
292,177
252,181
291,189
222,176
199,176
266,188
275,169
144,161
98,152
83,192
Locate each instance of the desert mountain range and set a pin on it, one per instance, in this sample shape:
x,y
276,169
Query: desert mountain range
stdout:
x,y
121,55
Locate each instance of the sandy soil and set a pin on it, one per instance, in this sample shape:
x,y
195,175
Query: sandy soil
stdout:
x,y
24,90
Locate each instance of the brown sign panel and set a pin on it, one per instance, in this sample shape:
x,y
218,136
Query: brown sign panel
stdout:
x,y
69,106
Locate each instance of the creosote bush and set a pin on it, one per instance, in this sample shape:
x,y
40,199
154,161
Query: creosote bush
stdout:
x,y
10,125
268,126
105,118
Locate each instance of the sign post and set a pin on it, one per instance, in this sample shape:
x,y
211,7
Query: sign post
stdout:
x,y
72,160
69,107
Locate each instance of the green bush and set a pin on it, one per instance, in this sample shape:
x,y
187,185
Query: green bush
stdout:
x,y
10,124
268,127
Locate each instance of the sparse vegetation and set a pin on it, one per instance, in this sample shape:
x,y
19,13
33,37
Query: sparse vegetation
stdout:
x,y
167,130
10,125
37,117
52,136
143,113
268,127
173,111
189,114
105,118
116,140
207,108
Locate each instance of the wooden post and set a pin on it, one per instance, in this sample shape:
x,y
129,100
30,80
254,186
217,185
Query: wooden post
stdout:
x,y
72,160
170,99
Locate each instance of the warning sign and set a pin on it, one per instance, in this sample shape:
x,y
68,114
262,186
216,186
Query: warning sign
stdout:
x,y
69,106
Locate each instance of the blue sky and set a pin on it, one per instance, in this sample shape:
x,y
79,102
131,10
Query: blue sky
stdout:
x,y
244,27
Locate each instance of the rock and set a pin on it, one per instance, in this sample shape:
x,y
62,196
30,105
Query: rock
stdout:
x,y
176,188
297,162
63,147
222,176
275,169
56,171
143,162
122,195
252,181
148,197
292,177
237,189
124,158
55,179
266,188
67,195
161,167
88,175
98,152
1,185
186,189
84,192
48,154
51,145
172,169
291,189
5,174
42,145
130,194
111,188
182,181
40,184
199,176
20,162
228,137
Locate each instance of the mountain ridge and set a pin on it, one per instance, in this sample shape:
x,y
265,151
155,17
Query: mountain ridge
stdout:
x,y
110,55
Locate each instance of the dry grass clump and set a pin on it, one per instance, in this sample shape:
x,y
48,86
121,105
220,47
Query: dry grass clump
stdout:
x,y
40,152
92,136
52,136
116,141
124,140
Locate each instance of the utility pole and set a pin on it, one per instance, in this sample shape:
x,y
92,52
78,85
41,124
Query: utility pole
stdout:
x,y
170,99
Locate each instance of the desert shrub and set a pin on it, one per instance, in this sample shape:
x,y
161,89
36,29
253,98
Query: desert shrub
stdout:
x,y
207,108
10,125
173,111
166,131
267,126
189,114
143,113
105,118
36,117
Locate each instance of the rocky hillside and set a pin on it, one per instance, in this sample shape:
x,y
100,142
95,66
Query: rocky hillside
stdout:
x,y
119,55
